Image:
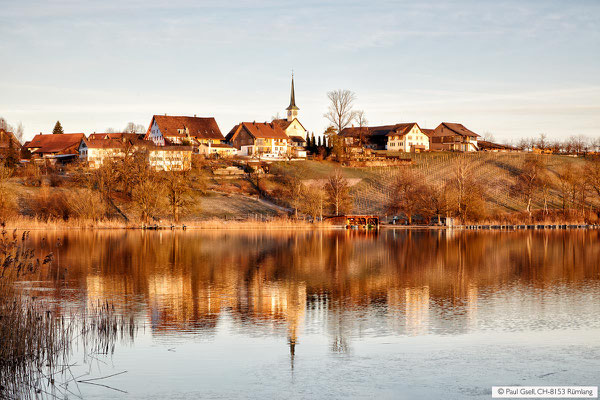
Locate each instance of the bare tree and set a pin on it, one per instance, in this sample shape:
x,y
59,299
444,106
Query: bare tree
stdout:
x,y
593,175
488,137
565,178
361,122
294,188
20,132
4,125
465,193
338,193
148,196
530,180
436,202
409,195
313,203
178,192
132,127
340,112
577,144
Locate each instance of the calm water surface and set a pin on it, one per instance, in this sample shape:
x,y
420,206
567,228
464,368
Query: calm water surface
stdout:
x,y
399,314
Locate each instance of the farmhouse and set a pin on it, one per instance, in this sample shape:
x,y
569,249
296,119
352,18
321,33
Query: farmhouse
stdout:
x,y
161,158
96,151
259,139
454,137
64,147
405,137
181,130
170,158
217,149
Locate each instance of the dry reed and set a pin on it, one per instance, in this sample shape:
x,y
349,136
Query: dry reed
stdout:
x,y
36,341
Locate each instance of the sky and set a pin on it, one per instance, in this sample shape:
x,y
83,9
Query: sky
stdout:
x,y
511,69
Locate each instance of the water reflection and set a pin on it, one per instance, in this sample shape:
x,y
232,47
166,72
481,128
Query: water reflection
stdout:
x,y
340,283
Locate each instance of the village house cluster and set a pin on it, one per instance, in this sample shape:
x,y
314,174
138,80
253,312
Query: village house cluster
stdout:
x,y
170,141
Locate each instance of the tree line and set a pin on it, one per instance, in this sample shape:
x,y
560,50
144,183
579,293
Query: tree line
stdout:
x,y
465,195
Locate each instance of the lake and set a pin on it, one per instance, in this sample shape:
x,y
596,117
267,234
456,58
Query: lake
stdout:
x,y
399,314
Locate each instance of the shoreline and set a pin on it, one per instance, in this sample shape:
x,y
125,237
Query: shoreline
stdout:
x,y
218,224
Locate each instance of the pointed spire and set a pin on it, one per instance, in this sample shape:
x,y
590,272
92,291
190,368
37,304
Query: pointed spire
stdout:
x,y
292,105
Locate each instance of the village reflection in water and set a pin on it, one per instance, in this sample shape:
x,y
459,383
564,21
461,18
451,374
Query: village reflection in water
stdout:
x,y
343,284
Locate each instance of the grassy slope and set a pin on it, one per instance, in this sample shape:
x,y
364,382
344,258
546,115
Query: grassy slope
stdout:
x,y
236,199
496,170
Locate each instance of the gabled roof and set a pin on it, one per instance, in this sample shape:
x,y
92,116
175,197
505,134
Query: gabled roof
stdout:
x,y
258,130
54,143
104,143
284,123
115,135
428,132
8,139
202,128
459,129
384,130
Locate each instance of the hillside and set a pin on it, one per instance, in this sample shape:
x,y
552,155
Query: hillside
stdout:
x,y
497,171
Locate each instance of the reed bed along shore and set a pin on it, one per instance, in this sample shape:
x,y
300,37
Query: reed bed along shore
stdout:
x,y
36,340
263,223
28,224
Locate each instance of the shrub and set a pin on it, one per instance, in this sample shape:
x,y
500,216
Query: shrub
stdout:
x,y
87,204
49,205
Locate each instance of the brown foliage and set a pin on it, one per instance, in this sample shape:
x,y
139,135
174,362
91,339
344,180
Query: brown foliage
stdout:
x,y
466,194
410,196
531,180
338,193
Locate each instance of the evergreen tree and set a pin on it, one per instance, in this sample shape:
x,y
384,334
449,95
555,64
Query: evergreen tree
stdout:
x,y
307,140
58,129
319,142
313,143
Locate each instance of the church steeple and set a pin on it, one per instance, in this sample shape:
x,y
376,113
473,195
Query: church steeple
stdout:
x,y
292,110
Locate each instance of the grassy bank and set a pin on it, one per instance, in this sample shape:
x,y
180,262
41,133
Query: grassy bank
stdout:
x,y
80,198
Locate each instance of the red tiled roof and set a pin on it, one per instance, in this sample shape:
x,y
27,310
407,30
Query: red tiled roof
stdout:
x,y
459,129
428,132
259,130
97,136
203,128
104,143
54,143
283,123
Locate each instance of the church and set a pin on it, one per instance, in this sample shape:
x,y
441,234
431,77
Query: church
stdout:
x,y
280,138
292,126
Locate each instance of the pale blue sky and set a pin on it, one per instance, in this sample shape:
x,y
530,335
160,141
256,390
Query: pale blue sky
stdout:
x,y
512,68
